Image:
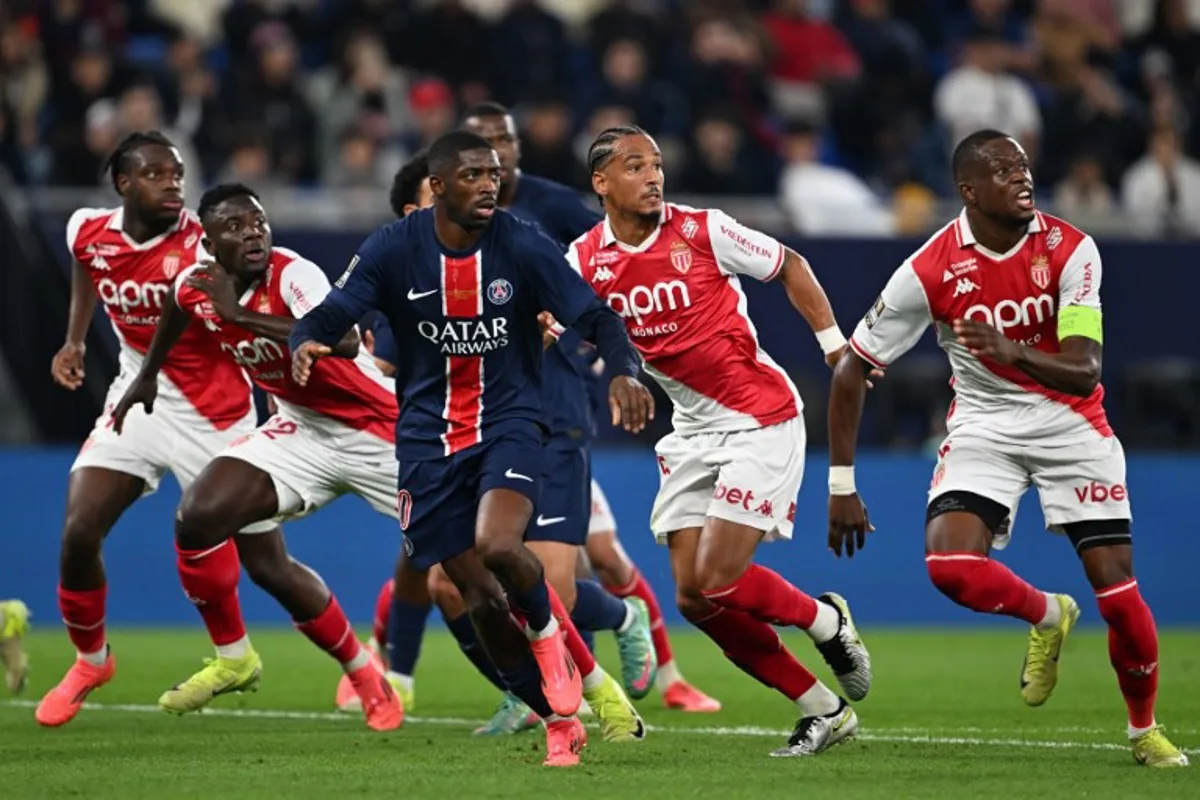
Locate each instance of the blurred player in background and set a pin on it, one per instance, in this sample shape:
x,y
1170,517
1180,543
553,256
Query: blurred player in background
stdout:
x,y
129,257
334,435
14,624
731,470
462,285
1015,297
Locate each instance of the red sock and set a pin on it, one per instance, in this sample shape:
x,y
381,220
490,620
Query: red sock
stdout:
x,y
1132,648
981,584
332,632
766,596
578,649
210,579
639,588
755,648
383,606
83,612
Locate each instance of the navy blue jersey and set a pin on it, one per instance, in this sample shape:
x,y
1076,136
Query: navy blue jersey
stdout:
x,y
567,385
469,349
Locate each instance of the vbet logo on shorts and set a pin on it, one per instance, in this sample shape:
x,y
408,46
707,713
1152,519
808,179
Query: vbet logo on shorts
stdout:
x,y
1099,493
1011,314
744,498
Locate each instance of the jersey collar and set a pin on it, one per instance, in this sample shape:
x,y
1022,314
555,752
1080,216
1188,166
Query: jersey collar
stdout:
x,y
962,228
117,221
609,238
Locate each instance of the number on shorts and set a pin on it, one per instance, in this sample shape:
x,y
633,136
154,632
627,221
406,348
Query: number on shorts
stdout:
x,y
275,426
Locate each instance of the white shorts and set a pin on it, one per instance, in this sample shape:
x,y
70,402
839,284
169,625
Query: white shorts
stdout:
x,y
152,444
313,465
602,520
748,477
1077,482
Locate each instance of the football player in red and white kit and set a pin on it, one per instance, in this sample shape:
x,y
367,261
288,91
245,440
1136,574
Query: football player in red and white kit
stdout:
x,y
332,436
128,257
1015,297
731,470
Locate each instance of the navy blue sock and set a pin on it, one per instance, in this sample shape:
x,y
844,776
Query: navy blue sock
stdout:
x,y
533,604
526,683
464,633
405,630
589,638
596,609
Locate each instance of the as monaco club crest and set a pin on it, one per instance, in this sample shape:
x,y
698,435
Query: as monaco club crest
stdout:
x,y
172,261
681,257
1039,270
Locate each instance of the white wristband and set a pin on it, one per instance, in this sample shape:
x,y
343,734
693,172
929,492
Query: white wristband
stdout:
x,y
841,480
831,340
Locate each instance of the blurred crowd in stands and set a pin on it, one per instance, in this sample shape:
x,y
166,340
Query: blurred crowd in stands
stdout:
x,y
845,110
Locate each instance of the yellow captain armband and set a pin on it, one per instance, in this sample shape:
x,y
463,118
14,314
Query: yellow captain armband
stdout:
x,y
1082,321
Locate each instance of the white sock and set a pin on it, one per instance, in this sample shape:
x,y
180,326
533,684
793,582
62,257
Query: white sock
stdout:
x,y
545,633
1136,732
630,618
237,649
826,624
360,660
97,658
668,674
404,681
1053,613
593,679
818,701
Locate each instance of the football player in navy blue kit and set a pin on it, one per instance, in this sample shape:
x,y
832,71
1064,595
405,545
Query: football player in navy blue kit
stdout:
x,y
462,286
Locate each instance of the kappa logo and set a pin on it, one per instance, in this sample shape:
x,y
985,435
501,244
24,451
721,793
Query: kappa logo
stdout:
x,y
99,263
603,274
965,286
1039,271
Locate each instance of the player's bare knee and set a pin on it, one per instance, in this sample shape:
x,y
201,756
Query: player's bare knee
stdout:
x,y
442,590
200,521
497,551
693,606
83,533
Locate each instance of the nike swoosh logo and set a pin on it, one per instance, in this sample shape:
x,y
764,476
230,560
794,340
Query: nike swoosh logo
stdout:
x,y
516,476
544,521
413,294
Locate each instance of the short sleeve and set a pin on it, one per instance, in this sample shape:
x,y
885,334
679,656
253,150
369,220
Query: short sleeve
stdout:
x,y
743,251
895,322
303,286
1079,282
185,296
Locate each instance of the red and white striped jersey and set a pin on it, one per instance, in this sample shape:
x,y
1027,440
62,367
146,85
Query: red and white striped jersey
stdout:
x,y
1021,292
341,392
683,306
132,279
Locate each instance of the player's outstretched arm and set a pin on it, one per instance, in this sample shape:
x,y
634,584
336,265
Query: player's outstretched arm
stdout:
x,y
848,522
67,366
809,298
144,387
1074,370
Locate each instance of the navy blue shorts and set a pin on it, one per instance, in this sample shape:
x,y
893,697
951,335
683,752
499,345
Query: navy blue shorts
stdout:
x,y
564,506
439,499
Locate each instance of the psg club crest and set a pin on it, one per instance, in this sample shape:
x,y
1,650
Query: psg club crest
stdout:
x,y
499,291
1039,270
172,261
681,257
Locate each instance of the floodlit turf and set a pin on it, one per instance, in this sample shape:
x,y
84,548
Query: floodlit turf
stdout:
x,y
944,720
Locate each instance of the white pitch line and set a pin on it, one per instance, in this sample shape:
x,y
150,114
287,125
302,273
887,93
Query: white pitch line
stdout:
x,y
897,735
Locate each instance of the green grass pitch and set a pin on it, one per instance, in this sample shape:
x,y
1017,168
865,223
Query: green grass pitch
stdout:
x,y
944,720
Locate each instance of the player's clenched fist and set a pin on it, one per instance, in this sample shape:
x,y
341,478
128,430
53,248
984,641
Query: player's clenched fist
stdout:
x,y
985,341
631,403
848,524
303,359
67,366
